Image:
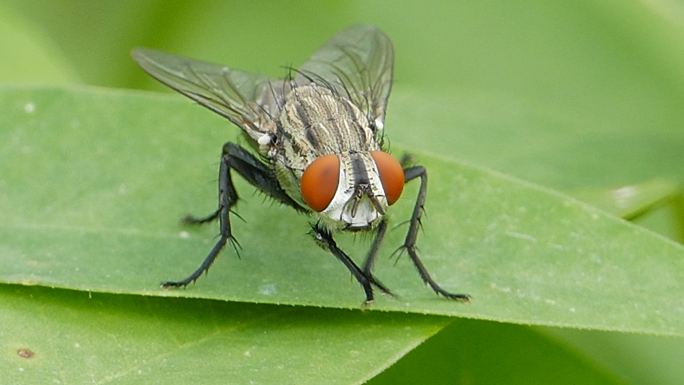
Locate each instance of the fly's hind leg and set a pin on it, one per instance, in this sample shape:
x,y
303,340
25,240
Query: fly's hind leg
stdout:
x,y
234,157
409,245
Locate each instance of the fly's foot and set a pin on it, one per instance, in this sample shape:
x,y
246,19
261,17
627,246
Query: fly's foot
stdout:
x,y
193,220
174,284
453,296
384,289
367,304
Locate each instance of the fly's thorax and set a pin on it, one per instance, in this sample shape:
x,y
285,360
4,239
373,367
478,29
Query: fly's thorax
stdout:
x,y
315,121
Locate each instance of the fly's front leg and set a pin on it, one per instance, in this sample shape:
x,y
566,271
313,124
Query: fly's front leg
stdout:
x,y
324,238
372,254
411,173
234,157
193,220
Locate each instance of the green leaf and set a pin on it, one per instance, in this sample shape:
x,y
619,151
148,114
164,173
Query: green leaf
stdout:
x,y
65,337
470,352
633,201
96,180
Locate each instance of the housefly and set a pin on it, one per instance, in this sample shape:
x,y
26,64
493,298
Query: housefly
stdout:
x,y
316,139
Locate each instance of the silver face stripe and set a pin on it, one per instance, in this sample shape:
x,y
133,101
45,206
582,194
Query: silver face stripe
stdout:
x,y
339,211
359,170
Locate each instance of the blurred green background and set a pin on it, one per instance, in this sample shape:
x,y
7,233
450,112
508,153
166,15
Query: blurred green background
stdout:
x,y
598,87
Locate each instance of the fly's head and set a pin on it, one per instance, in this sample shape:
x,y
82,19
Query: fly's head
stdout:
x,y
352,191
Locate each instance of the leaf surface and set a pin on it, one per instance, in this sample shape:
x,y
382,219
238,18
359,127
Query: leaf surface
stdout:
x,y
96,180
65,337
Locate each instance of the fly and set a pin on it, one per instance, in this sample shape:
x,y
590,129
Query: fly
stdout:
x,y
318,138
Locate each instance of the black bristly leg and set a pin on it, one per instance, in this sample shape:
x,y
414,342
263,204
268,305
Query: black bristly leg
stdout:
x,y
234,157
256,173
193,220
411,173
324,239
227,198
372,253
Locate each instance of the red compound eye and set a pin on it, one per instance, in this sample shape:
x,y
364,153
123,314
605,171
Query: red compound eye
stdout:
x,y
391,175
319,181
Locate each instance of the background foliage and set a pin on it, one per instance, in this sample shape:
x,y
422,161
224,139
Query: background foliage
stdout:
x,y
583,98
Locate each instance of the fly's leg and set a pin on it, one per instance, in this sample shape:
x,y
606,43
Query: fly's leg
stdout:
x,y
324,238
368,264
256,173
235,158
227,197
193,220
414,224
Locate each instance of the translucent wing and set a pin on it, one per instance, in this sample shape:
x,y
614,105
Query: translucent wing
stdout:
x,y
250,101
357,63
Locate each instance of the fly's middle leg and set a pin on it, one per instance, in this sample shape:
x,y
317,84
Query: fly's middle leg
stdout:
x,y
227,197
256,173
